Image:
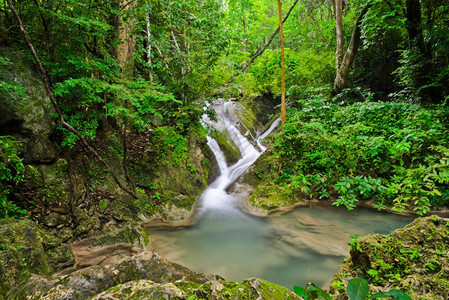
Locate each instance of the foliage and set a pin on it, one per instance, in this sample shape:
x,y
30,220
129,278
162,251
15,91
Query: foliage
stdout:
x,y
9,87
357,288
393,153
11,173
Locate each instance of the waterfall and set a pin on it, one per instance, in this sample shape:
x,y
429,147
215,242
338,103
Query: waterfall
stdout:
x,y
215,198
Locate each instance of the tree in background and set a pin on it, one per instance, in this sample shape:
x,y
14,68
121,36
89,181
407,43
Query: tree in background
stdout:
x,y
344,63
281,34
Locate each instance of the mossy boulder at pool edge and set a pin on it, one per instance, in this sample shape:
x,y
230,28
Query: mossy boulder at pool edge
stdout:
x,y
414,259
26,249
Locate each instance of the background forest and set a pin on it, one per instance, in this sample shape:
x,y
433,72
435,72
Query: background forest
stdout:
x,y
151,66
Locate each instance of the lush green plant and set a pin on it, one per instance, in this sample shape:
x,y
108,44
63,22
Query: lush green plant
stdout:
x,y
357,289
394,153
11,173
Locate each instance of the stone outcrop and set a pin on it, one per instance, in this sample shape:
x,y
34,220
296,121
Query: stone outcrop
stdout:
x,y
414,259
144,276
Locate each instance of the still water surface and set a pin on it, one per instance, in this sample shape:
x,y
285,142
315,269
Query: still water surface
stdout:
x,y
282,248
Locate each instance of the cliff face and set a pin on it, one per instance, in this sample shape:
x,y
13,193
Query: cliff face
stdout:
x,y
414,259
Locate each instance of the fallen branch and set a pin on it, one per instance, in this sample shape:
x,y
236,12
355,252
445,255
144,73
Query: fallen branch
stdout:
x,y
58,110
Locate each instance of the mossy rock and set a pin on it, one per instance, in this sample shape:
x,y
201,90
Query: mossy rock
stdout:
x,y
136,236
414,259
27,249
253,288
268,197
88,282
230,150
26,111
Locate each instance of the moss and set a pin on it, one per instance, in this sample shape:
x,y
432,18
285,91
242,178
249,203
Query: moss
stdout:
x,y
27,249
230,150
414,259
271,197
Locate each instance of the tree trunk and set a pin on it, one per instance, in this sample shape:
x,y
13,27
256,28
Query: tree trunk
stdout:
x,y
149,61
423,60
339,29
281,33
330,9
414,25
341,79
127,46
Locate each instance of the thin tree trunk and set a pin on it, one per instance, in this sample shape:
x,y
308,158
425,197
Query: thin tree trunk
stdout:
x,y
341,79
330,9
339,30
261,51
58,110
281,32
150,63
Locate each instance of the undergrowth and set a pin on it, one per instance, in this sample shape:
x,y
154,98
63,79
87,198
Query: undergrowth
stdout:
x,y
394,153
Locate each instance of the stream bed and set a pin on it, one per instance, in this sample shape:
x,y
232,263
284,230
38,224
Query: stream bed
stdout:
x,y
282,248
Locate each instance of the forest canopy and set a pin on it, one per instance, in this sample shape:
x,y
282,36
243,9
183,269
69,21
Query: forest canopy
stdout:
x,y
154,64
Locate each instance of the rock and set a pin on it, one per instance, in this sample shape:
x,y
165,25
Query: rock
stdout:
x,y
145,276
26,249
88,282
26,115
54,219
39,149
249,289
414,259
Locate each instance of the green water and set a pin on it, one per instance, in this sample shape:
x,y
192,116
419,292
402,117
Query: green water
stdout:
x,y
283,248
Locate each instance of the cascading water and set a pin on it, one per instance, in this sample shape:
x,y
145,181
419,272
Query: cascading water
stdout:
x,y
215,198
281,248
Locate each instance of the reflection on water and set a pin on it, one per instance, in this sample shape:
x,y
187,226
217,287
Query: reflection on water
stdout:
x,y
282,248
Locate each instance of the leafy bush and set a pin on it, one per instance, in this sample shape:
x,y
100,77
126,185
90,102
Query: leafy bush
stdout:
x,y
393,153
11,173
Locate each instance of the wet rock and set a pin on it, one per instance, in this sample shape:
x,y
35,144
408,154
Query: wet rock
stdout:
x,y
414,259
26,249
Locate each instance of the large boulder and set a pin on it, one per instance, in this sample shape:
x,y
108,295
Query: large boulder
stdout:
x,y
26,111
414,259
26,249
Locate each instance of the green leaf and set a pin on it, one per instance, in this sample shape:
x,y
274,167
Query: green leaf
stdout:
x,y
379,296
298,290
398,294
358,288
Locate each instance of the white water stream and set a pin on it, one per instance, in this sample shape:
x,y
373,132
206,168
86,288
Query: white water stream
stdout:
x,y
281,248
215,198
